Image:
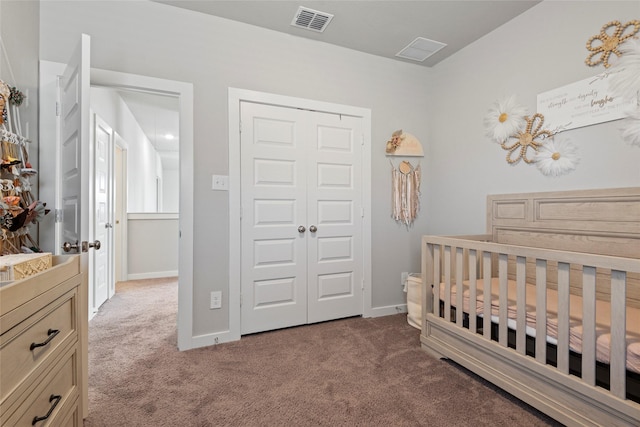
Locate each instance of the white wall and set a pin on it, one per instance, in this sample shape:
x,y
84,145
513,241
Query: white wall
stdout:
x,y
143,163
540,50
170,190
215,54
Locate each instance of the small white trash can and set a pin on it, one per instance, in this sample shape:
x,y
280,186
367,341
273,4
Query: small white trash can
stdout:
x,y
413,288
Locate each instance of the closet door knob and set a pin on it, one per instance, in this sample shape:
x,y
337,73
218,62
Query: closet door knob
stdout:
x,y
301,229
313,229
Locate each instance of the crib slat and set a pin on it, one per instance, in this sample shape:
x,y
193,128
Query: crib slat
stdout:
x,y
473,290
459,287
541,311
589,325
618,333
563,317
447,283
486,294
502,300
436,279
521,313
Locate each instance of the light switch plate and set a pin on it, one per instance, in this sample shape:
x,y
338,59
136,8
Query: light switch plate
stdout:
x,y
220,182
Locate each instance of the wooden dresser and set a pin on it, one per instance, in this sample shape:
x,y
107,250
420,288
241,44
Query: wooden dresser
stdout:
x,y
42,332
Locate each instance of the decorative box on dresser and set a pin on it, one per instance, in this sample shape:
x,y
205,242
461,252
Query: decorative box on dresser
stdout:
x,y
43,330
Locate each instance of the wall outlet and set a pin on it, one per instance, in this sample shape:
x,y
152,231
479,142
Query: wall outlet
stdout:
x,y
216,300
403,278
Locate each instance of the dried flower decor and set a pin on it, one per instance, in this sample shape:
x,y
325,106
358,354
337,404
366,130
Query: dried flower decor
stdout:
x,y
395,141
604,44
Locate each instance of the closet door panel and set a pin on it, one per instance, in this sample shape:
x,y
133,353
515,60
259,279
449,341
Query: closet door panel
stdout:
x,y
335,209
274,253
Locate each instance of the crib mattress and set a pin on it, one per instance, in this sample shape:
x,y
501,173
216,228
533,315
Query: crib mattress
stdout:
x,y
603,316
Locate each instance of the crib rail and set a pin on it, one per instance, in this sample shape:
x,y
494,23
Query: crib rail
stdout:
x,y
462,262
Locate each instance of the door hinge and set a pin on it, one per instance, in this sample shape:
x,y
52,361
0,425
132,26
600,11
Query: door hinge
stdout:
x,y
58,215
240,300
362,284
240,126
362,212
57,109
362,140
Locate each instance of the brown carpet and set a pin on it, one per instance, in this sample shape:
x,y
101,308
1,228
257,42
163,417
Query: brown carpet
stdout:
x,y
350,372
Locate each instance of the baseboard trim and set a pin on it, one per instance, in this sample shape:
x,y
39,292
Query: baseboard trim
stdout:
x,y
387,310
214,338
152,275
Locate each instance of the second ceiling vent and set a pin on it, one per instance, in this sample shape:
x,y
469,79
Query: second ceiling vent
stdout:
x,y
310,19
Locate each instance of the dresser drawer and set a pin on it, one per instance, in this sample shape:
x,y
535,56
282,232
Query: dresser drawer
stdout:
x,y
54,397
28,347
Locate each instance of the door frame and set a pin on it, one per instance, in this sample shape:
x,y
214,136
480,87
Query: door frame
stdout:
x,y
236,96
120,175
184,92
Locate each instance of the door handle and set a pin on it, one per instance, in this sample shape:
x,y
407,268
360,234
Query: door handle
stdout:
x,y
301,229
313,229
66,246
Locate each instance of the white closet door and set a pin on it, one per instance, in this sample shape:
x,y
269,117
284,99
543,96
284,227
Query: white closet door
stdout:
x,y
334,200
301,220
274,274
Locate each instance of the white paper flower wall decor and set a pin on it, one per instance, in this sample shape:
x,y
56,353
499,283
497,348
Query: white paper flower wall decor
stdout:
x,y
624,76
624,81
556,157
505,118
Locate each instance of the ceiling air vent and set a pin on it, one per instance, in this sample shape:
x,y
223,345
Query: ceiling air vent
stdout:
x,y
420,49
310,19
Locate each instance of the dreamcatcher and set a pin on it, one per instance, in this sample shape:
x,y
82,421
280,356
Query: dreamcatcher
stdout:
x,y
405,192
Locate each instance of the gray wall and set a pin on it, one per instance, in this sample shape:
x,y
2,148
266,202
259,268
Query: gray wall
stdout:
x,y
540,50
215,54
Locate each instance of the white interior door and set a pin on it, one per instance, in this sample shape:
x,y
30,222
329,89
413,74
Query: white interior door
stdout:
x,y
74,157
301,217
73,138
334,211
274,289
101,269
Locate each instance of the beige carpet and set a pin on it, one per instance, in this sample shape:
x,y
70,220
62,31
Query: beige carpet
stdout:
x,y
350,372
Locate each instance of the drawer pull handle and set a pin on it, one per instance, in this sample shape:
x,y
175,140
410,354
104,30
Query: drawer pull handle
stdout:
x,y
53,397
52,334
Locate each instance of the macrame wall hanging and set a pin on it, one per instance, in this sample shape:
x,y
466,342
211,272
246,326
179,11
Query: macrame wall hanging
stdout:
x,y
405,192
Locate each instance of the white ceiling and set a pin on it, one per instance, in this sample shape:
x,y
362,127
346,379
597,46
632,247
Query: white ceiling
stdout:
x,y
381,28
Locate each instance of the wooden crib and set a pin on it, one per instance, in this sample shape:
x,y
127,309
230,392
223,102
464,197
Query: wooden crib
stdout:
x,y
563,272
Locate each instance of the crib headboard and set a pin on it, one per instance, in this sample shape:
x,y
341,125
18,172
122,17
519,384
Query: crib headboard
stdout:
x,y
602,221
